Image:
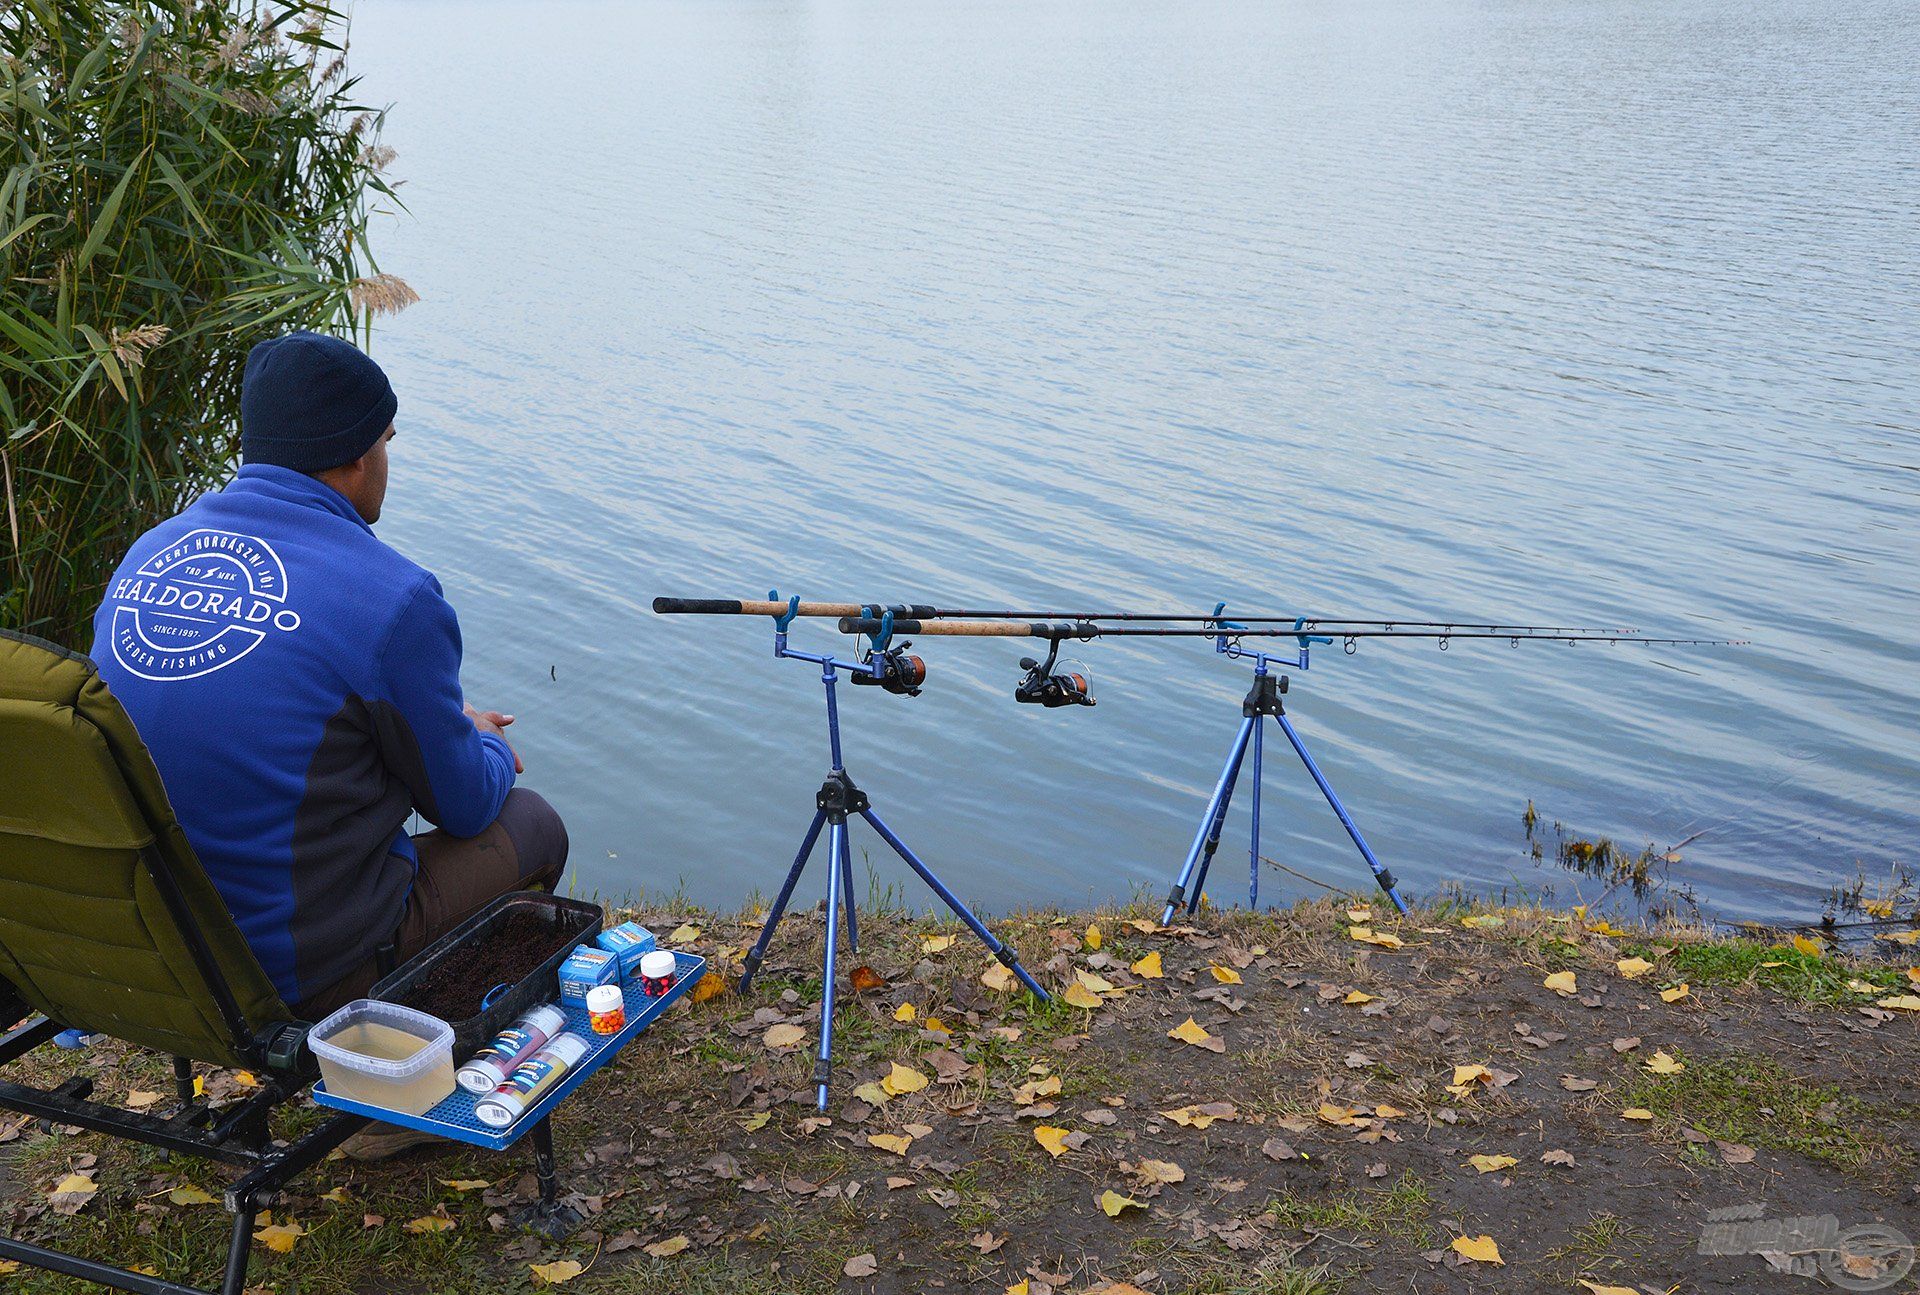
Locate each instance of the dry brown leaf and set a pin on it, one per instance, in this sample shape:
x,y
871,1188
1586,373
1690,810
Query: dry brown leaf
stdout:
x,y
784,1035
863,1265
865,979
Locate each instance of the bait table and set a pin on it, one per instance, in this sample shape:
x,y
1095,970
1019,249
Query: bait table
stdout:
x,y
453,1118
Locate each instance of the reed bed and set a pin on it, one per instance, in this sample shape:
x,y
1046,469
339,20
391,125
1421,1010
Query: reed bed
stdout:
x,y
178,179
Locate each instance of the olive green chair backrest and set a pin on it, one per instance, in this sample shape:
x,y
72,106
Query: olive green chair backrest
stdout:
x,y
97,879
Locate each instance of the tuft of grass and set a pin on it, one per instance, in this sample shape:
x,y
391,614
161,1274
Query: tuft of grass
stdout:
x,y
1777,967
1753,1100
1401,1211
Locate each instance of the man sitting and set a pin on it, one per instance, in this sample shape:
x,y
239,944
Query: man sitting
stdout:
x,y
298,683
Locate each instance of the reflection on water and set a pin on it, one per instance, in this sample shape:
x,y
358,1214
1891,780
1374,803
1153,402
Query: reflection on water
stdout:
x,y
1598,313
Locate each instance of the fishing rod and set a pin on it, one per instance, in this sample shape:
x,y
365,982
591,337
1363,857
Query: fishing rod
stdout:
x,y
1087,630
928,611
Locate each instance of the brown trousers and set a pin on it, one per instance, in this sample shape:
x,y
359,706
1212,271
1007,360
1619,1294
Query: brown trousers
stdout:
x,y
525,848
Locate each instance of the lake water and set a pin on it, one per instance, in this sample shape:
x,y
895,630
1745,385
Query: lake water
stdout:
x,y
1596,312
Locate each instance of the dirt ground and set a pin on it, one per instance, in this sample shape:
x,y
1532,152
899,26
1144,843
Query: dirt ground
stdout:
x,y
1285,1103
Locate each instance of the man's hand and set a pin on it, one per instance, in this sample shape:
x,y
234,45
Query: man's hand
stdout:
x,y
492,721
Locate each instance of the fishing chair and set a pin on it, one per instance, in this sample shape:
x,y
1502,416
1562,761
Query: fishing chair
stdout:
x,y
109,925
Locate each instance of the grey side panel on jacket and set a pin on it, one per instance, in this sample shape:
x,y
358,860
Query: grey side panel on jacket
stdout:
x,y
349,887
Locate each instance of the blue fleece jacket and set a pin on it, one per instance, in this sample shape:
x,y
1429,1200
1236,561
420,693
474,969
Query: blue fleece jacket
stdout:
x,y
298,683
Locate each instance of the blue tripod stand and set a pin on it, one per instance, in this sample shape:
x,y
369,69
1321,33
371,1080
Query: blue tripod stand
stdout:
x,y
838,801
1262,700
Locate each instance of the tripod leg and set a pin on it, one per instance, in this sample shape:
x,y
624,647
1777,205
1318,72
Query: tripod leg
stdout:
x,y
750,966
1253,857
823,1064
1007,957
1221,791
1219,822
1380,872
846,891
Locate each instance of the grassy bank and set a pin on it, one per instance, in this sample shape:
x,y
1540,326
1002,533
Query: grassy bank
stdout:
x,y
1360,1102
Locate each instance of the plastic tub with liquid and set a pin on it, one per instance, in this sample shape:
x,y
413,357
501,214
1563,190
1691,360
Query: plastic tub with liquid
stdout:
x,y
385,1055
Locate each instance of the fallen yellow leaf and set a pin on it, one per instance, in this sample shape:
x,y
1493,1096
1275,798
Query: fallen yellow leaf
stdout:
x,y
1675,994
1078,995
1483,921
431,1223
1901,1003
245,1079
1636,1113
668,1248
1337,1115
754,1123
936,943
1054,1140
1191,1031
1812,948
1093,939
685,933
1143,925
1662,1064
465,1184
1859,986
1480,1249
1113,1203
1903,937
1633,968
559,1272
1021,1287
904,1012
1562,983
189,1195
997,977
1367,935
1469,1074
894,1142
903,1079
1225,975
1361,914
1356,998
1199,1117
1148,968
1488,1164
280,1237
1597,1289
1098,984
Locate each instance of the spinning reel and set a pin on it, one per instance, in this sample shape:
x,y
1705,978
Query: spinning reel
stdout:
x,y
1042,687
891,668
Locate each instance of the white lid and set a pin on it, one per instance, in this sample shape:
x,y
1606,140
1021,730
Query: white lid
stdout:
x,y
605,998
657,964
435,1035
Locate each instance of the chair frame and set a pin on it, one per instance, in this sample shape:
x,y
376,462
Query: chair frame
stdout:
x,y
237,1135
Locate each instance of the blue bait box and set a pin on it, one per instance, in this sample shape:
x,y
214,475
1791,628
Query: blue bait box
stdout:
x,y
628,942
585,968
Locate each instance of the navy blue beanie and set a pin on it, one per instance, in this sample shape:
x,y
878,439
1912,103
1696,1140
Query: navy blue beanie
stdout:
x,y
311,402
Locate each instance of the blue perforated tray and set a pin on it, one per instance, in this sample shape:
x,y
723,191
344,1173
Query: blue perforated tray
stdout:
x,y
453,1117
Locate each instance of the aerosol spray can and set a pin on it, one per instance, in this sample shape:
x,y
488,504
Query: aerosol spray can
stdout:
x,y
529,1080
514,1045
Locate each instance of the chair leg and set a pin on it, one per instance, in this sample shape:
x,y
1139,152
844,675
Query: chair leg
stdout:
x,y
239,1250
551,1217
183,1080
